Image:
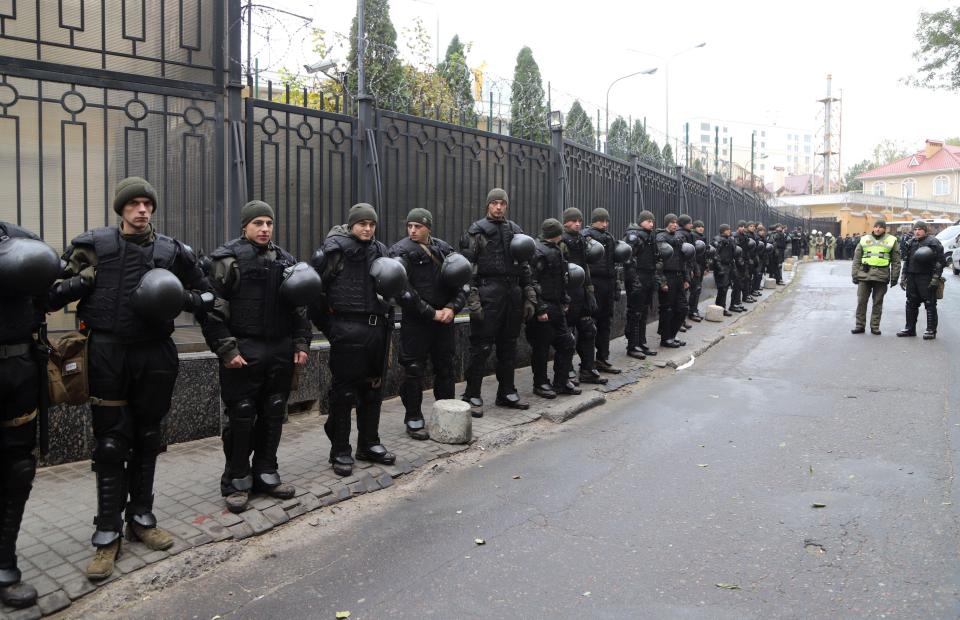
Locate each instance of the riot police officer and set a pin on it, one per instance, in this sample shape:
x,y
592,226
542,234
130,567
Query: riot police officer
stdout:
x,y
676,282
434,297
606,289
642,277
549,325
695,268
501,298
131,282
583,252
723,265
27,268
741,280
259,333
780,244
923,262
356,316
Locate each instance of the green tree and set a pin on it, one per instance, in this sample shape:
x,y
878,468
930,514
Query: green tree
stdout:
x,y
850,182
639,140
938,36
667,156
888,151
618,139
383,69
455,71
652,154
579,126
528,113
952,141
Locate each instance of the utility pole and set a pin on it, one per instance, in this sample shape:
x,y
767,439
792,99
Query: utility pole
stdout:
x,y
716,149
753,145
828,151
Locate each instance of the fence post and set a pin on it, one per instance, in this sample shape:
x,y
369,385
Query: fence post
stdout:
x,y
365,145
681,202
236,177
559,185
635,188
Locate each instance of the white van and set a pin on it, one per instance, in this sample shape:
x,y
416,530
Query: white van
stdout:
x,y
950,238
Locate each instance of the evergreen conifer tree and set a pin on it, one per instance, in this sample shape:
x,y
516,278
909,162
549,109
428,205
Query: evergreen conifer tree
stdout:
x,y
528,113
579,127
382,67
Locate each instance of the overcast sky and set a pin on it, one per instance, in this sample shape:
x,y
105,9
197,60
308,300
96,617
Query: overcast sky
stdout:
x,y
764,62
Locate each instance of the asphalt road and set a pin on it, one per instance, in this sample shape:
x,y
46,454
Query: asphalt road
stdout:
x,y
640,509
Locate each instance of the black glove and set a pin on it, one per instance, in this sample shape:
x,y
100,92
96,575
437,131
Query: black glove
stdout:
x,y
592,306
934,282
473,304
528,310
856,281
198,302
65,291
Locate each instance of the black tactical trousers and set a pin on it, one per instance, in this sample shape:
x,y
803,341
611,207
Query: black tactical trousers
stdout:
x,y
500,299
585,331
138,378
919,292
19,388
604,289
722,279
639,300
544,334
358,359
673,306
422,341
693,298
255,401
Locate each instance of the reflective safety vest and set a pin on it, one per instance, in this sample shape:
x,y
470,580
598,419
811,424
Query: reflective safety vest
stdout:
x,y
876,252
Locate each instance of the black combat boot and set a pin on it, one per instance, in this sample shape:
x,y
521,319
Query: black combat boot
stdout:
x,y
931,332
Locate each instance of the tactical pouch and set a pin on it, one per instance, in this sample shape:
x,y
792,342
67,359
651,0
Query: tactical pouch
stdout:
x,y
67,370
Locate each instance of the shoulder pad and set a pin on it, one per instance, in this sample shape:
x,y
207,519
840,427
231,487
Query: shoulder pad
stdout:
x,y
443,247
227,249
18,231
474,229
84,238
515,227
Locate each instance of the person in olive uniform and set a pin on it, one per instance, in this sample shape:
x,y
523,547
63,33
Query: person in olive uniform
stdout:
x,y
259,338
723,265
132,361
548,327
642,276
357,322
583,302
426,328
501,298
673,302
606,288
923,262
20,385
876,264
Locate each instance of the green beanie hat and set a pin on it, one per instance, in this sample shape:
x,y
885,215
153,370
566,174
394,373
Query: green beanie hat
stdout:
x,y
572,214
882,223
600,215
359,212
420,216
921,225
669,217
646,215
698,224
551,228
497,194
724,227
255,209
130,188
741,224
684,219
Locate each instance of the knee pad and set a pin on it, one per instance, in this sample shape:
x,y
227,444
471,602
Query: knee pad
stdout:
x,y
414,369
149,440
242,411
110,449
567,343
587,327
20,473
275,405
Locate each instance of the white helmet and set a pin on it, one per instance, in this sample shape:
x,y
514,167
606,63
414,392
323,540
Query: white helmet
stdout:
x,y
813,232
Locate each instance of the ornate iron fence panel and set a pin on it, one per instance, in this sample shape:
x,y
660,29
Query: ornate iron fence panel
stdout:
x,y
596,180
300,161
658,192
449,169
697,204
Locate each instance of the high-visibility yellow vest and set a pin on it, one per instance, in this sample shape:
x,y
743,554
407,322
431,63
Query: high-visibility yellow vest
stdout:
x,y
876,252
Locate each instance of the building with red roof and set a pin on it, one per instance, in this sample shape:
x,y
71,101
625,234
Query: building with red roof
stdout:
x,y
930,174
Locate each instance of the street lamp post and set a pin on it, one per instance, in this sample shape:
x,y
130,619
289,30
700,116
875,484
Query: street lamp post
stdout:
x,y
666,75
606,148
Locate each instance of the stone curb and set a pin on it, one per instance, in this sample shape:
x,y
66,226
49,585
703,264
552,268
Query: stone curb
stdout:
x,y
572,407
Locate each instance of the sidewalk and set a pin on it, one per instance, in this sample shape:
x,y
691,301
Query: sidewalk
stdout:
x,y
54,545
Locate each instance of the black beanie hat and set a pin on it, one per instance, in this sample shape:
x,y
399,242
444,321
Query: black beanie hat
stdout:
x,y
130,188
880,223
551,228
571,214
254,209
359,212
741,223
921,225
646,215
497,194
724,227
684,219
698,224
420,216
600,215
669,217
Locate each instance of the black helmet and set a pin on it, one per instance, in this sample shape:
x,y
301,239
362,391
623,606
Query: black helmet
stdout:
x,y
711,251
924,255
594,251
301,285
737,251
751,244
522,248
317,260
28,266
389,276
622,252
769,248
576,276
455,271
700,246
666,250
688,251
159,296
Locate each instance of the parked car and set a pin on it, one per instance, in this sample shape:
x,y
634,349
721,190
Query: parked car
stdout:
x,y
950,238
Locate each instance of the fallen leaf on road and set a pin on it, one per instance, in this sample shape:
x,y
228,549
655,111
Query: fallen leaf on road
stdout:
x,y
701,445
810,469
587,593
818,505
783,444
314,522
702,465
714,396
728,586
459,512
517,477
479,541
343,614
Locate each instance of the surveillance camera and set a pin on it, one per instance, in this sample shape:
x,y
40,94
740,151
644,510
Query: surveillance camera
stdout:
x,y
320,66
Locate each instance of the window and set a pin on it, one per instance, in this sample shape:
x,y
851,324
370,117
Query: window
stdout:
x,y
763,145
879,188
724,141
704,137
807,160
908,188
704,126
724,152
806,148
763,134
806,138
941,186
724,130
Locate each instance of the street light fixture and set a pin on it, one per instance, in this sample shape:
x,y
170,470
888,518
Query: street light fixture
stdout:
x,y
607,129
555,119
666,71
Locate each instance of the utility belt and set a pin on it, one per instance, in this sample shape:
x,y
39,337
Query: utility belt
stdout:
x,y
498,279
357,317
14,350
